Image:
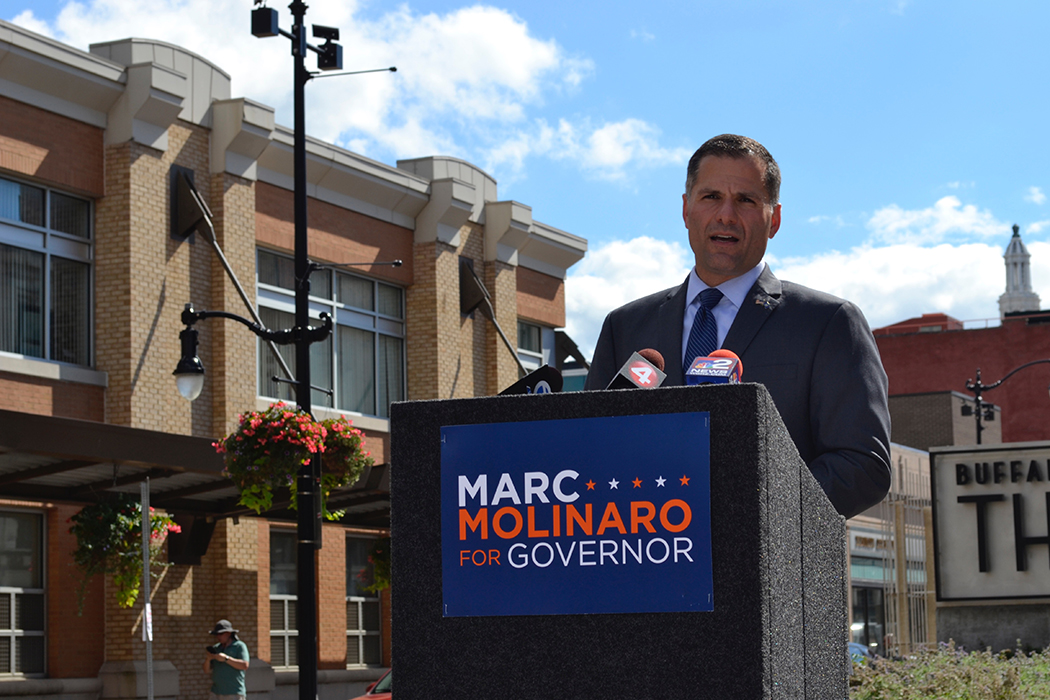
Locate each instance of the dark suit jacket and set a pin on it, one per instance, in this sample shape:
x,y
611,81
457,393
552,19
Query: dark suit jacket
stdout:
x,y
813,352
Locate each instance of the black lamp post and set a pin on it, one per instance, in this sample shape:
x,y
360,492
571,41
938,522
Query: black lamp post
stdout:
x,y
981,410
190,372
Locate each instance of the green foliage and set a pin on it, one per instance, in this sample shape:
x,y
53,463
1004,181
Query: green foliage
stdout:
x,y
267,450
950,672
109,541
379,574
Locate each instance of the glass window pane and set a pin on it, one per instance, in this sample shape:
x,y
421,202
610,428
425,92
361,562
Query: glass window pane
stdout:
x,y
6,601
353,649
5,654
357,370
268,365
321,284
20,202
282,563
370,616
390,301
70,215
29,612
529,337
358,568
70,311
21,559
277,655
276,270
391,373
356,292
321,371
373,654
21,301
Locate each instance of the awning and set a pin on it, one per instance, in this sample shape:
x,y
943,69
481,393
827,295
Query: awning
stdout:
x,y
43,458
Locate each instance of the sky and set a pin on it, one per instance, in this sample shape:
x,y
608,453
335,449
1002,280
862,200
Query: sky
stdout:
x,y
911,134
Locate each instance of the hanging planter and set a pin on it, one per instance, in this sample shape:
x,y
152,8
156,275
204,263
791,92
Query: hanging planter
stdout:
x,y
109,541
377,577
267,450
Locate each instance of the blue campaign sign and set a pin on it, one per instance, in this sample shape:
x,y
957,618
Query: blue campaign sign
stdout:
x,y
587,515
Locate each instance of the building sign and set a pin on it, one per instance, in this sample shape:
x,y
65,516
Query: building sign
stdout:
x,y
588,515
991,511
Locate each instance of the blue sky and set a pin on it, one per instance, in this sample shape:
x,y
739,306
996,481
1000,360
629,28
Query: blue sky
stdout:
x,y
911,133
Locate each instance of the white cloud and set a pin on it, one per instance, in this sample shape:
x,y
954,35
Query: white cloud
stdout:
x,y
606,152
1037,226
615,273
466,79
27,19
906,269
1035,195
947,218
895,282
642,34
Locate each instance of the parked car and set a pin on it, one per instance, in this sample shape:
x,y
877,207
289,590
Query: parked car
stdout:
x,y
380,690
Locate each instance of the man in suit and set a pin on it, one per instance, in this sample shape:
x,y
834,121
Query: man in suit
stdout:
x,y
813,352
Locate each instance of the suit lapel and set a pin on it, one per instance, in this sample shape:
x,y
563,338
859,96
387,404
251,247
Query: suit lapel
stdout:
x,y
669,342
761,301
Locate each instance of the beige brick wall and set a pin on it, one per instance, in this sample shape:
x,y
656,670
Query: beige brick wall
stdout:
x,y
233,376
450,355
49,397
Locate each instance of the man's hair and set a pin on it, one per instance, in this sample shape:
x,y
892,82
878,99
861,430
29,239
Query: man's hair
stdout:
x,y
733,146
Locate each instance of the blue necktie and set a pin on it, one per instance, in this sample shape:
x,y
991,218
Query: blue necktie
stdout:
x,y
703,338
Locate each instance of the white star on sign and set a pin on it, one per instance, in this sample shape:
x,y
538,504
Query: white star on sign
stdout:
x,y
613,484
660,481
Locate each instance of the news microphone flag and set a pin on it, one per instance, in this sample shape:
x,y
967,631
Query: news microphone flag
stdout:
x,y
545,380
720,367
637,373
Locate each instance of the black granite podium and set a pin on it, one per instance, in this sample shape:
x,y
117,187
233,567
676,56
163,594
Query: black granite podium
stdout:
x,y
778,627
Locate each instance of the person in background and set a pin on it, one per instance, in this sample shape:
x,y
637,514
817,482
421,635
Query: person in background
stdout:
x,y
227,660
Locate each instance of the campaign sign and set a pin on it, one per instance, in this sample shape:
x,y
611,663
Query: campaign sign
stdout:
x,y
586,515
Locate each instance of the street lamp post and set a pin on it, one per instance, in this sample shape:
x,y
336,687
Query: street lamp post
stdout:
x,y
983,410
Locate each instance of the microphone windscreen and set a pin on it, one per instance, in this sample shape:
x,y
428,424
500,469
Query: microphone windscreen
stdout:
x,y
653,356
739,369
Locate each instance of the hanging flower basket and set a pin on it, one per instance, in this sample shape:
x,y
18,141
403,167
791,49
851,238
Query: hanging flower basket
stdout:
x,y
109,541
267,450
376,578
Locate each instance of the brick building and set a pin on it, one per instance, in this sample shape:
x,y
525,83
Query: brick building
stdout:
x,y
935,353
92,284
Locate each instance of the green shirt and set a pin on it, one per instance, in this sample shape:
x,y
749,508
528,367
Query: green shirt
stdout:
x,y
225,679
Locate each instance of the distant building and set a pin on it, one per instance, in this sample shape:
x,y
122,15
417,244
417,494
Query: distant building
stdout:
x,y
1019,297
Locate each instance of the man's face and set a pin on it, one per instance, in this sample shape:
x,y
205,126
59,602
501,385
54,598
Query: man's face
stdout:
x,y
729,217
224,638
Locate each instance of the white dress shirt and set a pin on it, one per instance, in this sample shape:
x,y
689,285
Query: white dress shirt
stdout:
x,y
734,293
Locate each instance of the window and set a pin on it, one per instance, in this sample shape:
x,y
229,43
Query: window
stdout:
x,y
21,594
363,642
362,362
535,345
284,628
45,273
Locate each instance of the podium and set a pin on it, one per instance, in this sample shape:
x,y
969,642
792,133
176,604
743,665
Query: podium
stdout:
x,y
776,623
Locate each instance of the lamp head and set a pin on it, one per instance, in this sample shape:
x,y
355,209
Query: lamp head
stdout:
x,y
189,373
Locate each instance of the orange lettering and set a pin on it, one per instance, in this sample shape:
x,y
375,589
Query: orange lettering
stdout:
x,y
687,515
612,518
480,520
637,518
533,532
573,515
497,519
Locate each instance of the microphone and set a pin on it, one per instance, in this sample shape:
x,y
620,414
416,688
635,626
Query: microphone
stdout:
x,y
545,380
720,367
643,370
